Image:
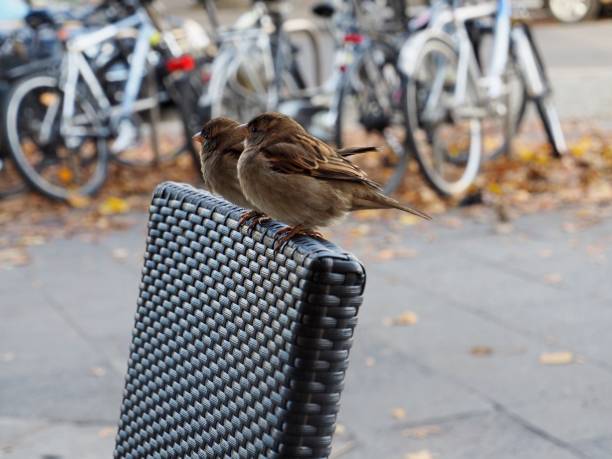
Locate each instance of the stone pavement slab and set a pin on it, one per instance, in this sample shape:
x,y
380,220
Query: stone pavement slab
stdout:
x,y
67,318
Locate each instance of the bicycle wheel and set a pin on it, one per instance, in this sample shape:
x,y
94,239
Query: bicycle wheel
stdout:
x,y
244,83
11,181
536,80
508,111
552,124
446,139
368,111
52,165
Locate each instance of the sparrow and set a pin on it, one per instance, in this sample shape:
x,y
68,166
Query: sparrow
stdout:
x,y
296,178
222,141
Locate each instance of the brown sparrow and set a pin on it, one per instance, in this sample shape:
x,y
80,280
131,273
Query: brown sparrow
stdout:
x,y
222,142
294,177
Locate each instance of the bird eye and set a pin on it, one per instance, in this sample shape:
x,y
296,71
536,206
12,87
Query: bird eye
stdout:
x,y
253,129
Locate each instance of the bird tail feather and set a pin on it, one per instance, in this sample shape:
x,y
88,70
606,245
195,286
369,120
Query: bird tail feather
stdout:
x,y
380,201
350,151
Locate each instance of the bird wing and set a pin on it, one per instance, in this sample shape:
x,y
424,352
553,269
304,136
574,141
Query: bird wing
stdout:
x,y
307,156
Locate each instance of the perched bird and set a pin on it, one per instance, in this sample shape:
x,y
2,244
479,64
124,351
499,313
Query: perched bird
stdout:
x,y
294,177
222,142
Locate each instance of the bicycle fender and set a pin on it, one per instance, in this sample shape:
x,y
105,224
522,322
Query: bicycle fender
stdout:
x,y
410,50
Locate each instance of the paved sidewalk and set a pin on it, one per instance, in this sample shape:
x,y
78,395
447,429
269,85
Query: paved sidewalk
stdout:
x,y
464,381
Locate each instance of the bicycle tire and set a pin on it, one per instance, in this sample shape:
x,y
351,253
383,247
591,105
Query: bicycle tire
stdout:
x,y
552,124
11,181
544,104
32,176
399,170
411,103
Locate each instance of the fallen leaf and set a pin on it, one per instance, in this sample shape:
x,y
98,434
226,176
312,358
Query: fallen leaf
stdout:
x,y
14,257
409,219
385,254
32,240
503,228
114,205
404,319
556,358
398,413
421,431
545,253
78,201
360,230
98,372
106,432
553,278
495,188
7,357
452,222
423,454
120,254
481,351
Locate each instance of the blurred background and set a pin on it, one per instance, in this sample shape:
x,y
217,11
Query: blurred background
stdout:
x,y
483,334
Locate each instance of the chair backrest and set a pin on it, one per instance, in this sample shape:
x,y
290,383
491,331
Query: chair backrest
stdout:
x,y
238,351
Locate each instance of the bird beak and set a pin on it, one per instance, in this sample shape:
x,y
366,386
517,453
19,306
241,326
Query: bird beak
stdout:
x,y
198,138
243,127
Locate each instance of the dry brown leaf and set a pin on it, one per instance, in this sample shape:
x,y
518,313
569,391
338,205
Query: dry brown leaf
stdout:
x,y
7,357
556,358
360,230
385,254
98,372
503,228
423,454
553,278
14,257
107,432
481,351
32,240
114,205
421,431
78,201
409,219
405,319
398,413
545,253
120,254
452,222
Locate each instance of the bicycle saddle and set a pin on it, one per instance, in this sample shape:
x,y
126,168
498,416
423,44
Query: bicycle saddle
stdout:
x,y
38,18
324,10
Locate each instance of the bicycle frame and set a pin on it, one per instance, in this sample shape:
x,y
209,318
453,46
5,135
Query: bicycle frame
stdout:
x,y
76,67
448,24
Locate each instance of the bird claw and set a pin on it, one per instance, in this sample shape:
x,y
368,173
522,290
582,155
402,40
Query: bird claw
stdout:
x,y
254,218
284,235
248,215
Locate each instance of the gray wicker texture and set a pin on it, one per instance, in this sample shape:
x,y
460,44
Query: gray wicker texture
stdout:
x,y
238,351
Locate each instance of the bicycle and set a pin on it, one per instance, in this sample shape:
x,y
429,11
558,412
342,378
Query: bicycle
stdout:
x,y
22,52
255,69
449,92
365,89
104,90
